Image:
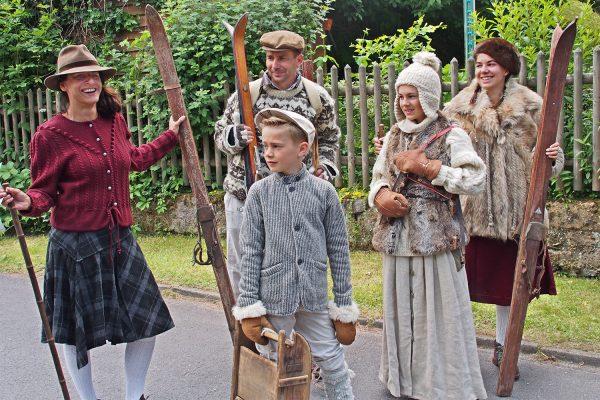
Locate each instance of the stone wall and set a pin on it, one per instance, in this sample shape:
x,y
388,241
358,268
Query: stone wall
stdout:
x,y
574,238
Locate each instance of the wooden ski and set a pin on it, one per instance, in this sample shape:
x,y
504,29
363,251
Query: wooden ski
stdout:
x,y
204,210
242,86
533,231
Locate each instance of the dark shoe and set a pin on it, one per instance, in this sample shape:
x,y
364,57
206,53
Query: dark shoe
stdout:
x,y
497,358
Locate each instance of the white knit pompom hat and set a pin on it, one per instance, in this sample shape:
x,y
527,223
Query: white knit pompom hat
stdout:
x,y
422,74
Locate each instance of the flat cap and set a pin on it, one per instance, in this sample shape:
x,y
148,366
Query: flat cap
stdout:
x,y
289,116
282,40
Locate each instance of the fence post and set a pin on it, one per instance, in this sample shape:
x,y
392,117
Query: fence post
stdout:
x,y
577,113
470,70
596,117
364,125
40,106
336,109
138,118
523,70
16,142
128,99
541,73
391,80
320,77
49,111
6,125
453,77
377,94
31,108
24,140
349,125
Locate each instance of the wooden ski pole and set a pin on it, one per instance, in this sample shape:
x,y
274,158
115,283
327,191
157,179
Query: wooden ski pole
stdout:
x,y
38,297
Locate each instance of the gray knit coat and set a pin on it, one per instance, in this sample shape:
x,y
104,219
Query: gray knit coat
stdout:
x,y
293,225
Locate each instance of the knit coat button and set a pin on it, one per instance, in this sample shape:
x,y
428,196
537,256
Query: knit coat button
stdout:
x,y
297,228
300,261
292,189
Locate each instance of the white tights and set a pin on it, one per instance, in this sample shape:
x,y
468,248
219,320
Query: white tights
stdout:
x,y
137,360
501,323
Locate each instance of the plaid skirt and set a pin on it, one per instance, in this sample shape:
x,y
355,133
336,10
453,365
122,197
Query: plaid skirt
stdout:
x,y
98,288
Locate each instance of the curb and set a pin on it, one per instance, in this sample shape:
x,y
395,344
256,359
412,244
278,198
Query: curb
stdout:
x,y
552,353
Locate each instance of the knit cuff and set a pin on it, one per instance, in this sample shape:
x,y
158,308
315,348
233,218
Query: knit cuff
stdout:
x,y
252,311
441,177
345,314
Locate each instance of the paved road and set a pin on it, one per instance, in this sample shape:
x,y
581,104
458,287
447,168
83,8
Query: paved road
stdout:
x,y
193,361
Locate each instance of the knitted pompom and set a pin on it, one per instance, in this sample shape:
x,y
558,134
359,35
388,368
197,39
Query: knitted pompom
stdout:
x,y
428,59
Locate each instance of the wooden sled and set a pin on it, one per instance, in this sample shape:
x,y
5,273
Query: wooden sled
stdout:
x,y
258,378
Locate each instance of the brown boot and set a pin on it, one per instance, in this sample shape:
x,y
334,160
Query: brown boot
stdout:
x,y
497,358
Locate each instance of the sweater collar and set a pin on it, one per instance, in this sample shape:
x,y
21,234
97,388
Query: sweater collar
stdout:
x,y
408,126
288,179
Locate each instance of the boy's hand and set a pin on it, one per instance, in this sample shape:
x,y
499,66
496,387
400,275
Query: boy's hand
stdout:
x,y
345,332
253,327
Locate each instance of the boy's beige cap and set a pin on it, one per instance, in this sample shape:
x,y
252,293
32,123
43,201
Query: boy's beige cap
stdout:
x,y
282,40
294,118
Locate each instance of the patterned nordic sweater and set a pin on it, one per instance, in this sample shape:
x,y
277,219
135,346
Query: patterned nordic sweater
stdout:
x,y
81,171
295,99
292,226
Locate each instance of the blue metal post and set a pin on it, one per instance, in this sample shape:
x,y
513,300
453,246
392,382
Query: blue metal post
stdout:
x,y
469,9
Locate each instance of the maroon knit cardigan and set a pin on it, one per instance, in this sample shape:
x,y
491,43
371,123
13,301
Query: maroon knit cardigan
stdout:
x,y
81,171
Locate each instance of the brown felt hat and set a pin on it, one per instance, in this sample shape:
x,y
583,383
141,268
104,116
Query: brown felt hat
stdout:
x,y
282,40
502,51
76,58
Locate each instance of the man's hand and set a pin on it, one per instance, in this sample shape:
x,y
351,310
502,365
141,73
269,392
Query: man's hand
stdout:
x,y
241,135
416,162
322,173
391,204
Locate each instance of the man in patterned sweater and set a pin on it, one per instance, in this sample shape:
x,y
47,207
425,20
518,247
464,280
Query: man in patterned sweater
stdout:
x,y
281,87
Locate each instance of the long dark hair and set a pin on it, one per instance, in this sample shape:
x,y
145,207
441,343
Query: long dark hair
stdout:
x,y
108,105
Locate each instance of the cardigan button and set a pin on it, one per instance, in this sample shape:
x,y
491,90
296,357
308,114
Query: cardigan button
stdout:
x,y
97,139
108,171
91,125
104,154
110,188
115,204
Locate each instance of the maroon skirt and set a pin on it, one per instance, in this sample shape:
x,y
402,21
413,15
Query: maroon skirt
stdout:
x,y
490,265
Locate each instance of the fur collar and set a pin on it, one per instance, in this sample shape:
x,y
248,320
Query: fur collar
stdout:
x,y
518,102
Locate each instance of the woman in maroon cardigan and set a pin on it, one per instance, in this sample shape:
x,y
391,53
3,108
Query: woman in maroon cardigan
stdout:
x,y
97,284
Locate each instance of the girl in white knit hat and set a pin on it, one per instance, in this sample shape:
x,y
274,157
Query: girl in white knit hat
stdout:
x,y
429,348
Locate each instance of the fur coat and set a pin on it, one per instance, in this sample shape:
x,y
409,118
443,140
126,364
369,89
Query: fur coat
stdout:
x,y
504,137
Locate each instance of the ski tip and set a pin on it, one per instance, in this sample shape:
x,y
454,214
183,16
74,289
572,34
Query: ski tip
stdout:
x,y
228,27
151,12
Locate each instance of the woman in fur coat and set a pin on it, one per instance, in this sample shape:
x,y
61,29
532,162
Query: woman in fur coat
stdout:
x,y
501,118
429,348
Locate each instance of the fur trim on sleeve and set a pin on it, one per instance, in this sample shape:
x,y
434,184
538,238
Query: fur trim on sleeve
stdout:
x,y
343,314
252,311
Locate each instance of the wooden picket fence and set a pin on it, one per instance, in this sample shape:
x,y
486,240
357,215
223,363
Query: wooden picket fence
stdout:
x,y
369,96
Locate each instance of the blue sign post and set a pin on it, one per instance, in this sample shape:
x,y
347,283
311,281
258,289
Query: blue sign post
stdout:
x,y
469,10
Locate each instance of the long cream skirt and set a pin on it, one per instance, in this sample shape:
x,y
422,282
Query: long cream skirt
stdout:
x,y
429,347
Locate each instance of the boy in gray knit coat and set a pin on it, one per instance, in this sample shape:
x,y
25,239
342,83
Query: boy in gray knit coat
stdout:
x,y
293,224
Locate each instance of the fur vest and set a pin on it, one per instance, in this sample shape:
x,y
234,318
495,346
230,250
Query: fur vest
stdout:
x,y
504,137
434,221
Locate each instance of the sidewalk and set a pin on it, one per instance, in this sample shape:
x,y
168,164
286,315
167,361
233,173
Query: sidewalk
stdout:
x,y
545,353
